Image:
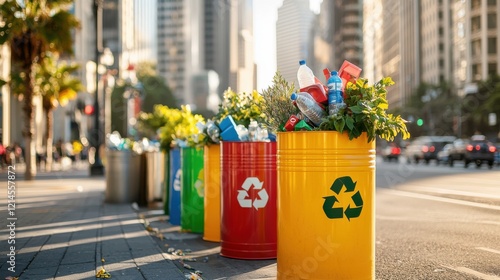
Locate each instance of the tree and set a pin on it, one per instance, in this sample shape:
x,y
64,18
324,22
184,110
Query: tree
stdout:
x,y
31,28
476,107
57,87
436,105
154,92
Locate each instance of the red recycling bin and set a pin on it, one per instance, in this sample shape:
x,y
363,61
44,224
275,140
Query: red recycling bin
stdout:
x,y
248,200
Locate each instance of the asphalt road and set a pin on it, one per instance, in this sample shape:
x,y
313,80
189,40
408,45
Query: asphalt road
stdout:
x,y
437,222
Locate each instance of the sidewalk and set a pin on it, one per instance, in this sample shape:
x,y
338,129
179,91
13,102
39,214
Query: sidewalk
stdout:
x,y
64,230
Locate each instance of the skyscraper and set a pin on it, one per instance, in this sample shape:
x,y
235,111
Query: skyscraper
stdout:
x,y
196,36
372,40
476,40
391,55
347,23
293,36
435,41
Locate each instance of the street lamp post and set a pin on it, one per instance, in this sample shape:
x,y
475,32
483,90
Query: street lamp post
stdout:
x,y
96,168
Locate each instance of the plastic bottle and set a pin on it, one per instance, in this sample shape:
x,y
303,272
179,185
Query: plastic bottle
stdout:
x,y
309,107
252,130
305,75
335,99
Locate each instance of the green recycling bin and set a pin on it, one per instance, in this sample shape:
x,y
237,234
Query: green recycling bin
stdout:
x,y
192,190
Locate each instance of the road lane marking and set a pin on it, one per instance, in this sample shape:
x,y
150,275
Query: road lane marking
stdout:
x,y
463,193
488,250
473,272
443,199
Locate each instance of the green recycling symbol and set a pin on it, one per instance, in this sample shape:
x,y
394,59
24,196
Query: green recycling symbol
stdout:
x,y
352,211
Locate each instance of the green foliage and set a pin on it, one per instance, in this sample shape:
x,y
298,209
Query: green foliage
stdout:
x,y
34,27
156,92
162,122
119,108
476,107
56,82
172,126
243,107
277,105
436,105
366,111
187,131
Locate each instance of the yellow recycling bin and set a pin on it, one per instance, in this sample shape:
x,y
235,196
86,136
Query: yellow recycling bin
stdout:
x,y
212,193
326,206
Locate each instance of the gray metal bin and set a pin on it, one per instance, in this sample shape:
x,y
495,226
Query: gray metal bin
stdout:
x,y
123,176
155,176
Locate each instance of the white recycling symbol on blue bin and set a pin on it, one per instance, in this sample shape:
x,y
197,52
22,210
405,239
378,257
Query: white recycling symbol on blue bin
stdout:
x,y
177,180
243,198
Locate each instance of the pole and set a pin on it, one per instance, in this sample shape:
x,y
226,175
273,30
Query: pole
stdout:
x,y
97,169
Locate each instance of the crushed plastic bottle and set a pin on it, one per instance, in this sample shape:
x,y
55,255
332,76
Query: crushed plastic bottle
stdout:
x,y
309,107
305,75
213,131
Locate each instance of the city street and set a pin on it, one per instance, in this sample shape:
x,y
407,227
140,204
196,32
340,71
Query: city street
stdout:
x,y
432,222
443,226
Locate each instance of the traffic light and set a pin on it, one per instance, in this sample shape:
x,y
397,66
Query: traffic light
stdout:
x,y
420,122
88,110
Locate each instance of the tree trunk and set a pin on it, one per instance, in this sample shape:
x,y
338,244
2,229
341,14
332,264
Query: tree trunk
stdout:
x,y
29,126
49,119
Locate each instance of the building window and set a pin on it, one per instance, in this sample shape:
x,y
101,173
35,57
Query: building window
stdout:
x,y
492,2
475,23
476,72
492,21
476,47
492,45
475,4
492,69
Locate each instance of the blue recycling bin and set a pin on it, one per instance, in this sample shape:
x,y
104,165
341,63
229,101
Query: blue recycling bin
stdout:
x,y
175,187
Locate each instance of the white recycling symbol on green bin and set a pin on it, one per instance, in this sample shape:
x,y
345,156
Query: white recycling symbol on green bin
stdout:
x,y
243,198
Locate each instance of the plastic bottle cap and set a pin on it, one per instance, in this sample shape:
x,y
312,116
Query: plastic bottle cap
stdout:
x,y
335,73
293,96
302,62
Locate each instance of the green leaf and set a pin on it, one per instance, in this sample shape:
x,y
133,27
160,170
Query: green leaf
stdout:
x,y
339,125
356,109
349,122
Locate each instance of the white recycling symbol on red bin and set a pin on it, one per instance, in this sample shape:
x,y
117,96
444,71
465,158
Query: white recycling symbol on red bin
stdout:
x,y
247,202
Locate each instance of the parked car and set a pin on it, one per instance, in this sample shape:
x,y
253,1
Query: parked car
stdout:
x,y
479,150
497,155
426,148
444,154
457,151
392,151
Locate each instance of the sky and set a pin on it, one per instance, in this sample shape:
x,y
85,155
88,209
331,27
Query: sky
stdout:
x,y
264,29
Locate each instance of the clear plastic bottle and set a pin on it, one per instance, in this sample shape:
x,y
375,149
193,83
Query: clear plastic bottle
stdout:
x,y
335,98
305,75
252,130
309,107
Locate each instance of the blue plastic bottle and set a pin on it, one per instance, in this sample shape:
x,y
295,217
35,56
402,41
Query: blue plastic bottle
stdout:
x,y
335,98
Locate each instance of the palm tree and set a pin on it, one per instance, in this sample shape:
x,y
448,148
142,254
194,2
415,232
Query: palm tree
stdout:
x,y
57,86
31,28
